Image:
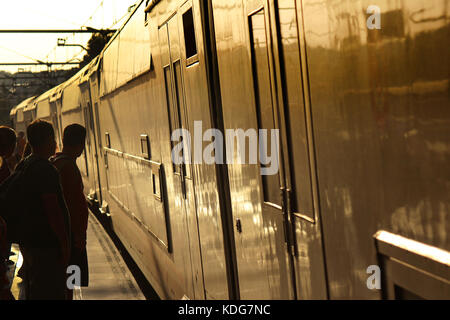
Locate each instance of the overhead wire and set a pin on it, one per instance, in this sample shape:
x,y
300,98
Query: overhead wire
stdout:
x,y
20,54
83,25
50,16
92,15
53,50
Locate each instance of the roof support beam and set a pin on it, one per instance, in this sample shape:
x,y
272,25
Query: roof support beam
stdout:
x,y
35,63
87,30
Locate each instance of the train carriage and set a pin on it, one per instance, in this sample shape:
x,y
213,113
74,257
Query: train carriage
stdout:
x,y
69,105
44,108
17,115
145,191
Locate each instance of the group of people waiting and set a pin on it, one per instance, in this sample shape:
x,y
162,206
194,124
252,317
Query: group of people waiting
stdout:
x,y
43,209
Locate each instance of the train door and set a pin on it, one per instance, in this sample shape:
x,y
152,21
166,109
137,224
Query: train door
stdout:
x,y
90,148
289,198
91,141
56,125
184,187
92,196
280,264
58,105
302,202
100,162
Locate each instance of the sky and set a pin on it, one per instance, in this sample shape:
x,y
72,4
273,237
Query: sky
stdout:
x,y
53,14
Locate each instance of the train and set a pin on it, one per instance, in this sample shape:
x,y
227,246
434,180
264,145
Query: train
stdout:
x,y
358,94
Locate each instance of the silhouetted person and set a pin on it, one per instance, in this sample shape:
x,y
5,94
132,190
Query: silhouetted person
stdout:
x,y
7,146
73,145
46,246
26,150
5,293
20,146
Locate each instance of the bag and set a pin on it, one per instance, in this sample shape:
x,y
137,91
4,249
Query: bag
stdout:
x,y
13,200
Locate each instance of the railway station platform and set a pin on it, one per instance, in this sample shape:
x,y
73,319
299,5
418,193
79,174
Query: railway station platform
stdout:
x,y
109,276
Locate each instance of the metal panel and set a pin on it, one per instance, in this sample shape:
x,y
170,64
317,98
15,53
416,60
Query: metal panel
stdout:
x,y
175,94
303,222
380,110
130,111
252,246
274,220
71,97
43,109
127,49
142,53
109,70
199,108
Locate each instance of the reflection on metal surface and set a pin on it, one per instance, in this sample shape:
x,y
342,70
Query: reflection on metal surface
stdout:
x,y
415,247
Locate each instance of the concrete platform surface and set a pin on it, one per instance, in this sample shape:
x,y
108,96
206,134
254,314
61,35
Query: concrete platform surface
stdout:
x,y
109,276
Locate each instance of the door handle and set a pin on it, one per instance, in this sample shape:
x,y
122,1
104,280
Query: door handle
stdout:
x,y
238,225
183,182
289,222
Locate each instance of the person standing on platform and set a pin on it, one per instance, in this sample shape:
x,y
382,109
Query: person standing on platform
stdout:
x,y
65,162
7,146
46,243
20,147
5,293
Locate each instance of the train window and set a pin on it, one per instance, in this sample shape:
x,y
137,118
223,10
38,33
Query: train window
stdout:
x,y
156,183
189,34
263,96
145,146
107,140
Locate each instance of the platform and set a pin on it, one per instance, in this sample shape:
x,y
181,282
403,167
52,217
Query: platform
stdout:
x,y
110,278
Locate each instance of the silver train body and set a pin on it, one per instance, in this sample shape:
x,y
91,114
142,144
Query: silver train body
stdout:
x,y
363,117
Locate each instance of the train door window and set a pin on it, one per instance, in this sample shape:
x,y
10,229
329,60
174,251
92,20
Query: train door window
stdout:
x,y
172,103
171,59
189,36
88,141
263,96
173,112
86,171
296,113
98,126
91,120
87,126
182,111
